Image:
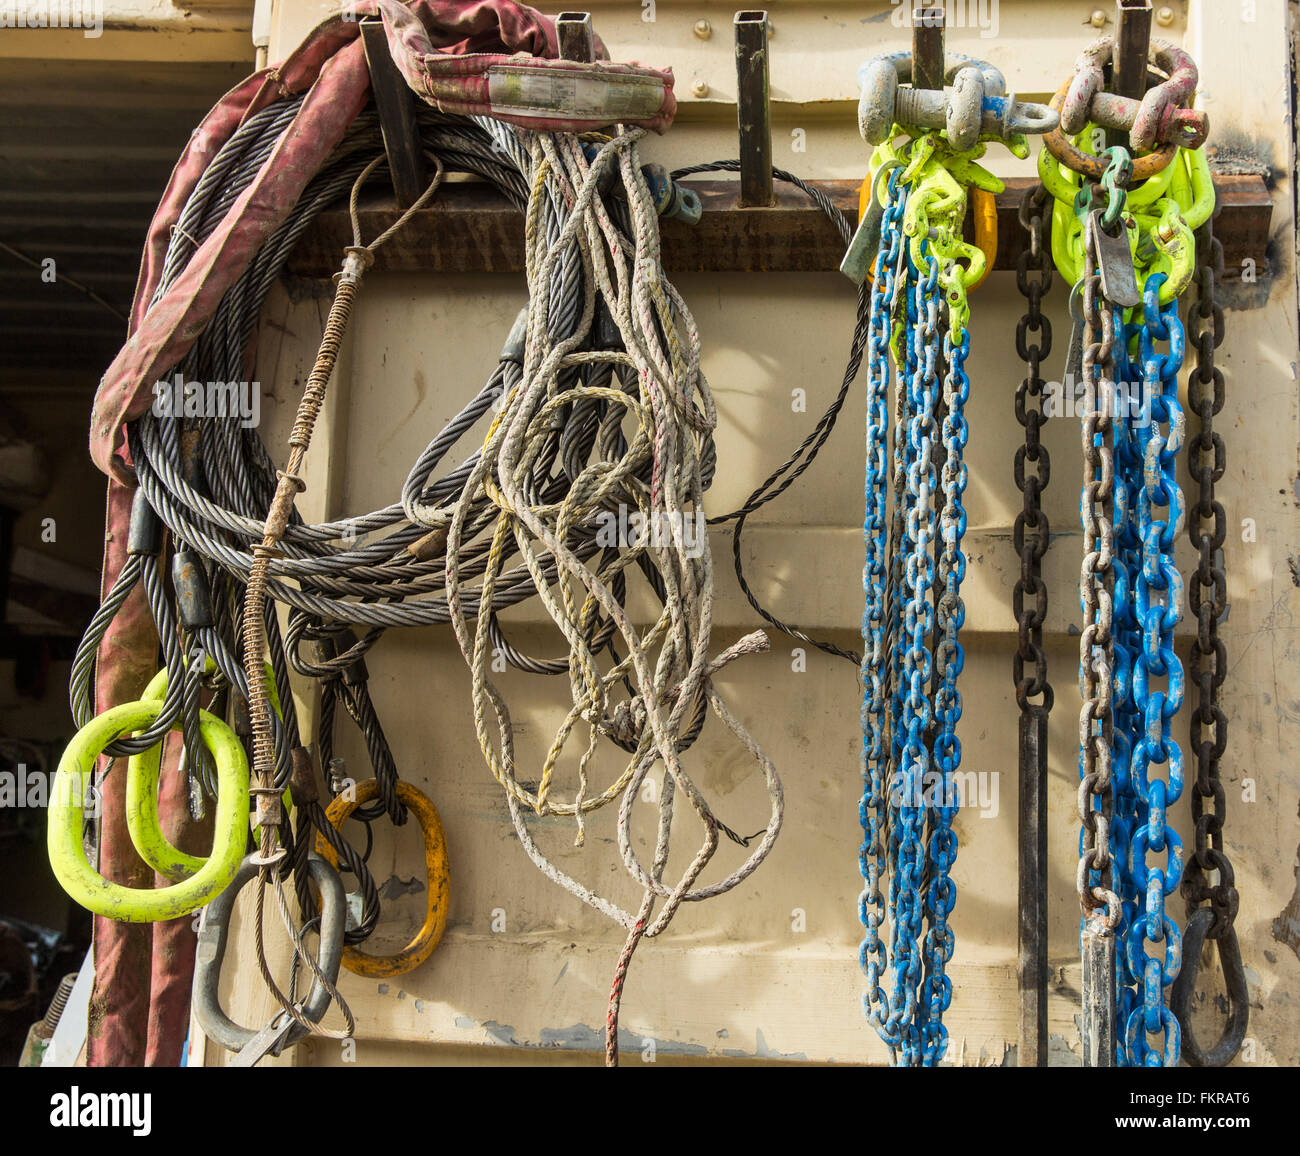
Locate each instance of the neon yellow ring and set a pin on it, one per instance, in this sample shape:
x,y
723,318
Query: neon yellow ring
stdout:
x,y
145,905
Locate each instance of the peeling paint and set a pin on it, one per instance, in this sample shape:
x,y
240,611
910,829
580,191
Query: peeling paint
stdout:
x,y
502,1034
581,1037
1286,927
394,887
762,1051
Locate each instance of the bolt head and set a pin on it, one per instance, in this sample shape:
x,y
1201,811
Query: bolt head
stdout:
x,y
1165,16
703,29
700,89
1098,18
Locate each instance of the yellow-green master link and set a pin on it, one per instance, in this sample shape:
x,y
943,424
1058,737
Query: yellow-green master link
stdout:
x,y
142,773
1161,216
149,905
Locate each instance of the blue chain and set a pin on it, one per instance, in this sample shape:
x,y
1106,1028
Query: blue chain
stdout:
x,y
1157,597
949,659
910,780
1127,635
875,758
910,759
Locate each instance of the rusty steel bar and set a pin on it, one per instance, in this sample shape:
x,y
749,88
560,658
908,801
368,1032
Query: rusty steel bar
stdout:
x,y
1098,1020
1132,43
474,229
753,110
1031,964
576,36
927,46
1129,61
396,105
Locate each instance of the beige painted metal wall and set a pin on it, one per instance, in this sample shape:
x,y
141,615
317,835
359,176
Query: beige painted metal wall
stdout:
x,y
769,971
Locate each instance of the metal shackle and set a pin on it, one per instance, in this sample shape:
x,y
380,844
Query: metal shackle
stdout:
x,y
1160,117
975,105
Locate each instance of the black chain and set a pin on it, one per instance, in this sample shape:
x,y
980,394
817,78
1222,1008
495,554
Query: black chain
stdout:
x,y
1032,532
1033,468
1208,598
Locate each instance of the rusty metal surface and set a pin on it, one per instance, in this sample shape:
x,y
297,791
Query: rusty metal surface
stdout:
x,y
753,109
1133,40
927,46
473,229
1031,963
577,37
396,104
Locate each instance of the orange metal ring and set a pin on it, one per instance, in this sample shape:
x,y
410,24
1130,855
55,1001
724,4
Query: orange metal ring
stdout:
x,y
985,205
1074,158
438,887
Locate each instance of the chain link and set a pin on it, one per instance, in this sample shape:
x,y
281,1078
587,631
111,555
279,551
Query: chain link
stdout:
x,y
873,807
1096,592
910,628
1157,600
1208,599
1032,531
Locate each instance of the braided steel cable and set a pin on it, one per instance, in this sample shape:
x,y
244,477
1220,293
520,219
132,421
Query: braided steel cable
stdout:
x,y
806,453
